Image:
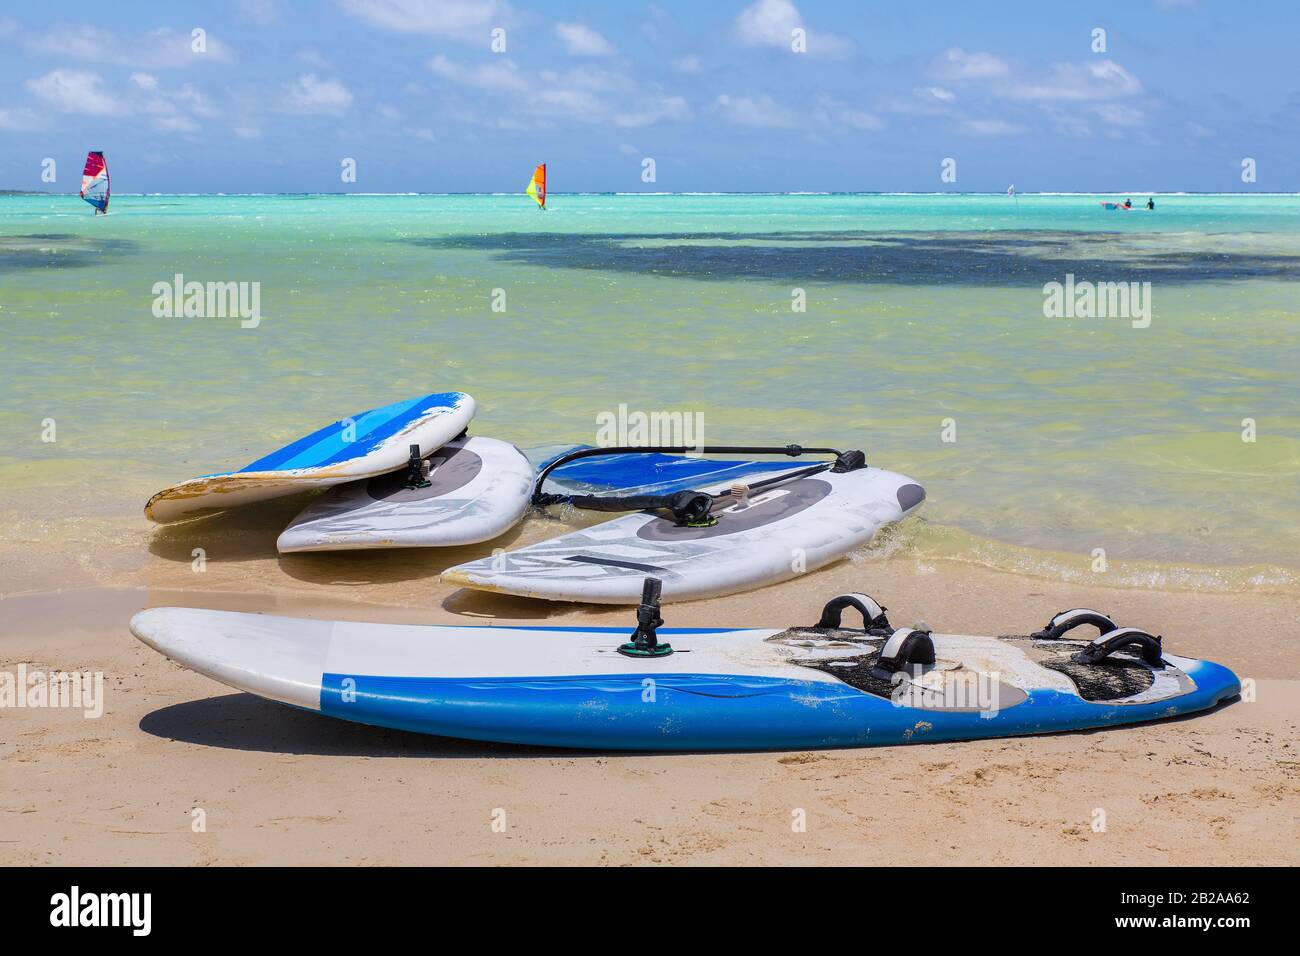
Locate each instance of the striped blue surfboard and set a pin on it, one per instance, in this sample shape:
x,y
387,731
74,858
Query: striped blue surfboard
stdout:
x,y
363,445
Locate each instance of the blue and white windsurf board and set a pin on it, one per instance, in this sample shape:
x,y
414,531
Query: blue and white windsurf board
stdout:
x,y
475,490
721,688
363,445
778,533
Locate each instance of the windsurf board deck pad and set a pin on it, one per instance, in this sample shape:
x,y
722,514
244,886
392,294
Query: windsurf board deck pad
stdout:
x,y
720,688
477,489
369,443
777,533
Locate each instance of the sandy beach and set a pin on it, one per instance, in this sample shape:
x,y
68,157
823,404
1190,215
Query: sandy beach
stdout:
x,y
279,786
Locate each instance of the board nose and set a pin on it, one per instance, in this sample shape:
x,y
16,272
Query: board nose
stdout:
x,y
146,626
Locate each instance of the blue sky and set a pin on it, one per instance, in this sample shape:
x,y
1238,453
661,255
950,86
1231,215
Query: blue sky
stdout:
x,y
713,92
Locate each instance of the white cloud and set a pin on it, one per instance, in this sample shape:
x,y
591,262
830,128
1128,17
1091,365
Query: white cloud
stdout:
x,y
312,58
175,123
584,94
957,64
313,96
263,13
1114,114
74,91
648,112
860,120
760,111
772,22
1094,81
19,119
580,40
687,64
468,20
187,97
8,27
768,23
990,127
495,74
81,92
160,49
569,103
938,93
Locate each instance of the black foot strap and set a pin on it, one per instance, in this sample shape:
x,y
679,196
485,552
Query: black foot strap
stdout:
x,y
907,650
1107,644
873,614
1067,621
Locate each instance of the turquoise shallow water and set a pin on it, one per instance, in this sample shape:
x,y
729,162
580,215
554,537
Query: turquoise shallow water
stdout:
x,y
1071,434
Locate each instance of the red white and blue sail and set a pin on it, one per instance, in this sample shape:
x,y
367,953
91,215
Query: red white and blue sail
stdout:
x,y
94,181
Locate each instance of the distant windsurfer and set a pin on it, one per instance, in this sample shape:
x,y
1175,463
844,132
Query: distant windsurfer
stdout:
x,y
94,182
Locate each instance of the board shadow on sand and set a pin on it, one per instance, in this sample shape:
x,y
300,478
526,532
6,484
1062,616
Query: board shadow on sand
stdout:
x,y
487,605
1024,258
385,565
239,721
246,533
249,533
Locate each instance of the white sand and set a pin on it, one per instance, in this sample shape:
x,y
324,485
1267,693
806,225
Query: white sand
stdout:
x,y
281,786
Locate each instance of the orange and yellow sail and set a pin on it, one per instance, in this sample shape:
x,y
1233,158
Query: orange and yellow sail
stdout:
x,y
537,186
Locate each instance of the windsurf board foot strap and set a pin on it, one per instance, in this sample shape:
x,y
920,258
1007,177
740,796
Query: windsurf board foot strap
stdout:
x,y
873,613
1149,646
645,639
688,508
1110,637
1067,621
907,650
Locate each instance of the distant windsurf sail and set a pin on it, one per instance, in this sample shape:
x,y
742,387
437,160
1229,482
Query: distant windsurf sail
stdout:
x,y
94,181
537,186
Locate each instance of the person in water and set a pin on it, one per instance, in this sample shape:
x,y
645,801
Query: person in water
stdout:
x,y
1128,203
1151,203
